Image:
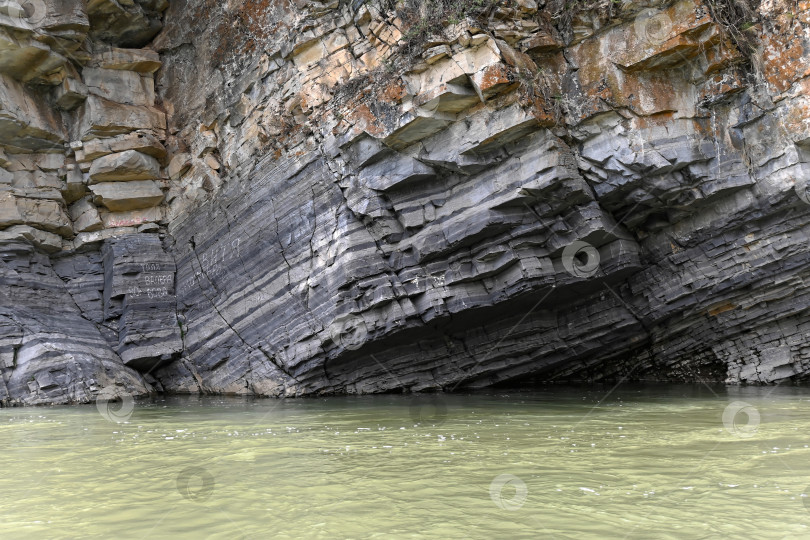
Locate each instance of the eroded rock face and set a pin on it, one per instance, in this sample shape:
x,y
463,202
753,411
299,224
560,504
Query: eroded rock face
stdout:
x,y
316,197
81,181
51,350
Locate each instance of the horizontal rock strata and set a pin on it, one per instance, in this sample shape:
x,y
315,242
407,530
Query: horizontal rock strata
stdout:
x,y
306,198
86,289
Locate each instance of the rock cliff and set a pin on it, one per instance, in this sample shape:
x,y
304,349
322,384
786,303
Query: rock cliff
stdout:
x,y
304,197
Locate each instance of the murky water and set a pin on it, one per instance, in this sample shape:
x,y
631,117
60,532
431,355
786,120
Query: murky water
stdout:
x,y
637,462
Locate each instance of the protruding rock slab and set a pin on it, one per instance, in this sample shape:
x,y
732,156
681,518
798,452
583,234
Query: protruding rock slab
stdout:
x,y
99,117
44,241
85,216
145,142
126,23
38,37
123,196
26,121
123,167
139,288
70,94
120,86
45,214
140,60
132,218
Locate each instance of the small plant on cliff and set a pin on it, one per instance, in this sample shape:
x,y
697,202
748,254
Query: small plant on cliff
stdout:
x,y
429,17
564,11
182,330
736,17
541,85
422,20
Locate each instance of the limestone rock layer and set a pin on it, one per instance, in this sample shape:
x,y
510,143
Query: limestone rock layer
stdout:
x,y
285,199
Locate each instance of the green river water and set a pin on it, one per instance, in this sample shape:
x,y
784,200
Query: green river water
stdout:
x,y
648,461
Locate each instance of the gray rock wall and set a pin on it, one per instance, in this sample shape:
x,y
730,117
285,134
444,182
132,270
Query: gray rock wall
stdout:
x,y
421,239
50,349
308,198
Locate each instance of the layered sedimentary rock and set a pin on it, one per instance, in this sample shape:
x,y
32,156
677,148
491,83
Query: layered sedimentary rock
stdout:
x,y
86,288
298,198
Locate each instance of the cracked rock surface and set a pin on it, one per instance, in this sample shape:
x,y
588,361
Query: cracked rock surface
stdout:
x,y
286,199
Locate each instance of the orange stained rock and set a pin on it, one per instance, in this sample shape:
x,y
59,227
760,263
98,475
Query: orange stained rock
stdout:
x,y
654,120
715,311
365,120
394,91
721,56
541,112
492,79
797,117
542,42
783,60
